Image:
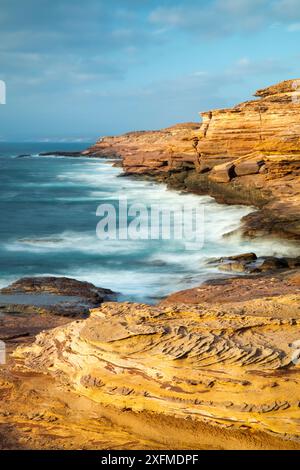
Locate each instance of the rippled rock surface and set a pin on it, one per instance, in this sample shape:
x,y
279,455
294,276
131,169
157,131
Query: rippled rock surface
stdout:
x,y
231,367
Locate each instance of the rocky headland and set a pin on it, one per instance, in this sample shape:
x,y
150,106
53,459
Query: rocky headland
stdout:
x,y
248,154
213,367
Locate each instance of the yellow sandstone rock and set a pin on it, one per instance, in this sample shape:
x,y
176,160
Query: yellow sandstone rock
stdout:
x,y
227,367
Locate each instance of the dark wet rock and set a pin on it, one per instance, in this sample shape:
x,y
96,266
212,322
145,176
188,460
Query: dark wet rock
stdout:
x,y
246,257
293,262
237,263
272,264
250,263
53,295
60,154
236,266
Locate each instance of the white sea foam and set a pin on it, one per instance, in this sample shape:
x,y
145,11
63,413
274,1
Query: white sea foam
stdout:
x,y
138,269
73,242
136,285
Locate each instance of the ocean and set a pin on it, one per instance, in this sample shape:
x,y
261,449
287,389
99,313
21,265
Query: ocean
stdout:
x,y
48,226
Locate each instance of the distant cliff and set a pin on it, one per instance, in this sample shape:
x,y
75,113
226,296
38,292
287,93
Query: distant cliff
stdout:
x,y
152,152
248,154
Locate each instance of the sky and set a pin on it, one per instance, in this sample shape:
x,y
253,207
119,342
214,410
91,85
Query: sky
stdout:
x,y
78,70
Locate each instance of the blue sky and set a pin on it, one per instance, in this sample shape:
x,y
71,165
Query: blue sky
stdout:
x,y
81,69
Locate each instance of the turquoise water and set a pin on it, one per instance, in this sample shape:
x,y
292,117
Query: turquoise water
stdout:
x,y
48,226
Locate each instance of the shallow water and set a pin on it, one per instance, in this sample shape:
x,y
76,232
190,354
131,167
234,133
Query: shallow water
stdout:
x,y
48,227
40,300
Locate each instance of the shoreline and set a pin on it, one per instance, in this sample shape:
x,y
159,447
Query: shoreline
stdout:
x,y
139,427
211,367
247,154
210,275
215,191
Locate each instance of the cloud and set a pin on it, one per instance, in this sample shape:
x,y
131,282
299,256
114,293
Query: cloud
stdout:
x,y
293,28
60,45
64,25
219,18
199,89
266,67
57,46
286,9
105,65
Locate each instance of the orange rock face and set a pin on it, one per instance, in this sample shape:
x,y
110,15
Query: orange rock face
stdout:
x,y
153,151
265,127
248,154
269,124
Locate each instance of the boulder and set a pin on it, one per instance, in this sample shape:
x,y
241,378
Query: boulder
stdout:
x,y
243,257
293,262
236,266
248,167
248,257
271,264
222,173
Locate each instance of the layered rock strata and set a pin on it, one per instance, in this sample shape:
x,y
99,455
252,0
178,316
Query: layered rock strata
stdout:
x,y
152,152
248,154
233,368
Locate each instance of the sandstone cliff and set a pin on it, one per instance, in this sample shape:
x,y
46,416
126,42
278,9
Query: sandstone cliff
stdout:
x,y
150,151
248,154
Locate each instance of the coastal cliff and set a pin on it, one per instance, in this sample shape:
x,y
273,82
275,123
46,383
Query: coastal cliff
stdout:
x,y
212,367
248,154
151,152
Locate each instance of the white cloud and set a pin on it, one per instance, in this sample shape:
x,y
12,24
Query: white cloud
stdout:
x,y
293,28
226,17
199,73
244,61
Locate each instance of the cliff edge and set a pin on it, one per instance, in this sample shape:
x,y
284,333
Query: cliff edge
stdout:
x,y
248,154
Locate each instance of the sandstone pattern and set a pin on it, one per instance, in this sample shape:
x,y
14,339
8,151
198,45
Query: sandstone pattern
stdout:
x,y
227,366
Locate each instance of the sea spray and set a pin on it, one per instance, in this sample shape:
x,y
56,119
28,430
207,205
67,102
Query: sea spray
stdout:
x,y
48,211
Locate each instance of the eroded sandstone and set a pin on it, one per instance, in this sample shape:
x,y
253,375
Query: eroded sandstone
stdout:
x,y
227,366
